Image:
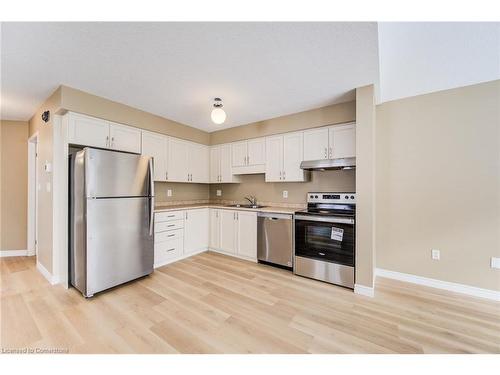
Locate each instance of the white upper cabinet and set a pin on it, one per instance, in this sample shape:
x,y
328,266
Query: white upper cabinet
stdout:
x,y
177,170
221,170
316,144
156,146
284,155
249,156
332,142
87,131
124,138
256,151
214,164
342,141
239,153
196,230
198,163
274,164
90,131
293,155
246,234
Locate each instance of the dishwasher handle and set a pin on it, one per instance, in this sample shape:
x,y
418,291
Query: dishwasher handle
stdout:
x,y
275,216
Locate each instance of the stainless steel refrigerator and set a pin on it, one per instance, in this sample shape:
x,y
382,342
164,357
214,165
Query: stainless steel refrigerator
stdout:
x,y
111,218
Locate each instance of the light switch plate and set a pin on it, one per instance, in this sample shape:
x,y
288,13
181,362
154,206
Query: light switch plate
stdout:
x,y
285,193
219,193
495,262
436,254
169,192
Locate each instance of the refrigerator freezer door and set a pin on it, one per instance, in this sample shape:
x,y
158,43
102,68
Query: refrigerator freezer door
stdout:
x,y
119,245
116,174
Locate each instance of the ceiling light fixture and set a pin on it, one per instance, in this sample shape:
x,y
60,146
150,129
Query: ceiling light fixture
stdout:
x,y
218,115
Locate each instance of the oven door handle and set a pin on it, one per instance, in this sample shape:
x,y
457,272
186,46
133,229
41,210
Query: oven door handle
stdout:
x,y
339,220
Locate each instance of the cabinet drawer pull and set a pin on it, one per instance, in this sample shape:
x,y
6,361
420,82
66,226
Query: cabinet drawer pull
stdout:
x,y
172,249
171,216
171,225
171,235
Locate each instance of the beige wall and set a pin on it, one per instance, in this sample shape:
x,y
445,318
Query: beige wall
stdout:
x,y
438,185
333,114
365,181
14,183
92,105
273,192
180,191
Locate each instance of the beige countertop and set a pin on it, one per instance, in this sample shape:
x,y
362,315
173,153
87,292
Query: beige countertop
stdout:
x,y
169,207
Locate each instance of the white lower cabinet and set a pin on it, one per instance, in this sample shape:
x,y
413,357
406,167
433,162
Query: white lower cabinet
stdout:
x,y
234,232
179,234
196,224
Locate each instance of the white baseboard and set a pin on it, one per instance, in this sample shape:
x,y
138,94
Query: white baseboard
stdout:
x,y
439,284
51,279
184,256
364,290
13,253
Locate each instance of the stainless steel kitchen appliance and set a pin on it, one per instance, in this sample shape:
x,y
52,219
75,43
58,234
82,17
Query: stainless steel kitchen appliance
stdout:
x,y
325,238
275,238
111,218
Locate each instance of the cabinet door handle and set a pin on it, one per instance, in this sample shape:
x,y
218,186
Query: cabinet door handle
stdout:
x,y
280,175
112,141
284,175
331,153
326,153
107,141
166,175
248,159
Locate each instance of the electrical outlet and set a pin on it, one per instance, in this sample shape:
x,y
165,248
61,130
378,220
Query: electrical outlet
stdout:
x,y
169,192
219,193
285,193
436,254
495,262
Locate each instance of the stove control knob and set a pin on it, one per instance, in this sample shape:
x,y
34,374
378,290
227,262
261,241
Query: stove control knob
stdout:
x,y
346,197
311,196
315,196
352,196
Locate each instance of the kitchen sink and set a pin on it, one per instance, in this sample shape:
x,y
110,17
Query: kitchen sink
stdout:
x,y
246,205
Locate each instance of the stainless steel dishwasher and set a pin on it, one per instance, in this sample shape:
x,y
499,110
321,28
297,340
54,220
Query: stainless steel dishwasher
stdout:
x,y
275,238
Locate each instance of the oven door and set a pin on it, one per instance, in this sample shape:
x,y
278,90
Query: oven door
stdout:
x,y
329,239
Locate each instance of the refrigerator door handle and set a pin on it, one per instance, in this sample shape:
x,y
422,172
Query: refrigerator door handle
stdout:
x,y
152,197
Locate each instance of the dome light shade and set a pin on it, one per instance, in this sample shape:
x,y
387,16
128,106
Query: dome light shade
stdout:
x,y
218,115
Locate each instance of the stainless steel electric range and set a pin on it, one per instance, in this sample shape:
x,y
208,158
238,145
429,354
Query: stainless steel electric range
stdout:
x,y
325,238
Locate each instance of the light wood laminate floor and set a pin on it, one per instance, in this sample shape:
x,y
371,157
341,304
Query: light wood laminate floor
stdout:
x,y
211,303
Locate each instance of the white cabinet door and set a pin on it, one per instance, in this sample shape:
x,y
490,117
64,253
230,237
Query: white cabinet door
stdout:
x,y
274,162
226,169
239,154
256,154
214,164
198,163
343,141
228,231
177,170
214,237
155,145
316,144
293,155
247,234
87,131
196,224
124,138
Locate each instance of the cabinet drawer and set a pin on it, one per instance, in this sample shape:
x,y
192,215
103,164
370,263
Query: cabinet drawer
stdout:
x,y
168,225
168,216
168,250
168,235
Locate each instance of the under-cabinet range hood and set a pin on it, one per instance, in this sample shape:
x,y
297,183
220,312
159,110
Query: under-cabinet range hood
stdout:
x,y
328,164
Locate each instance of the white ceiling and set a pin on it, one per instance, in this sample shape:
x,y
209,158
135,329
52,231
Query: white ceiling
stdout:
x,y
260,70
421,57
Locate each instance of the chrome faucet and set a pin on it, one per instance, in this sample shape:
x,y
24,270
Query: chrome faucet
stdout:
x,y
252,200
